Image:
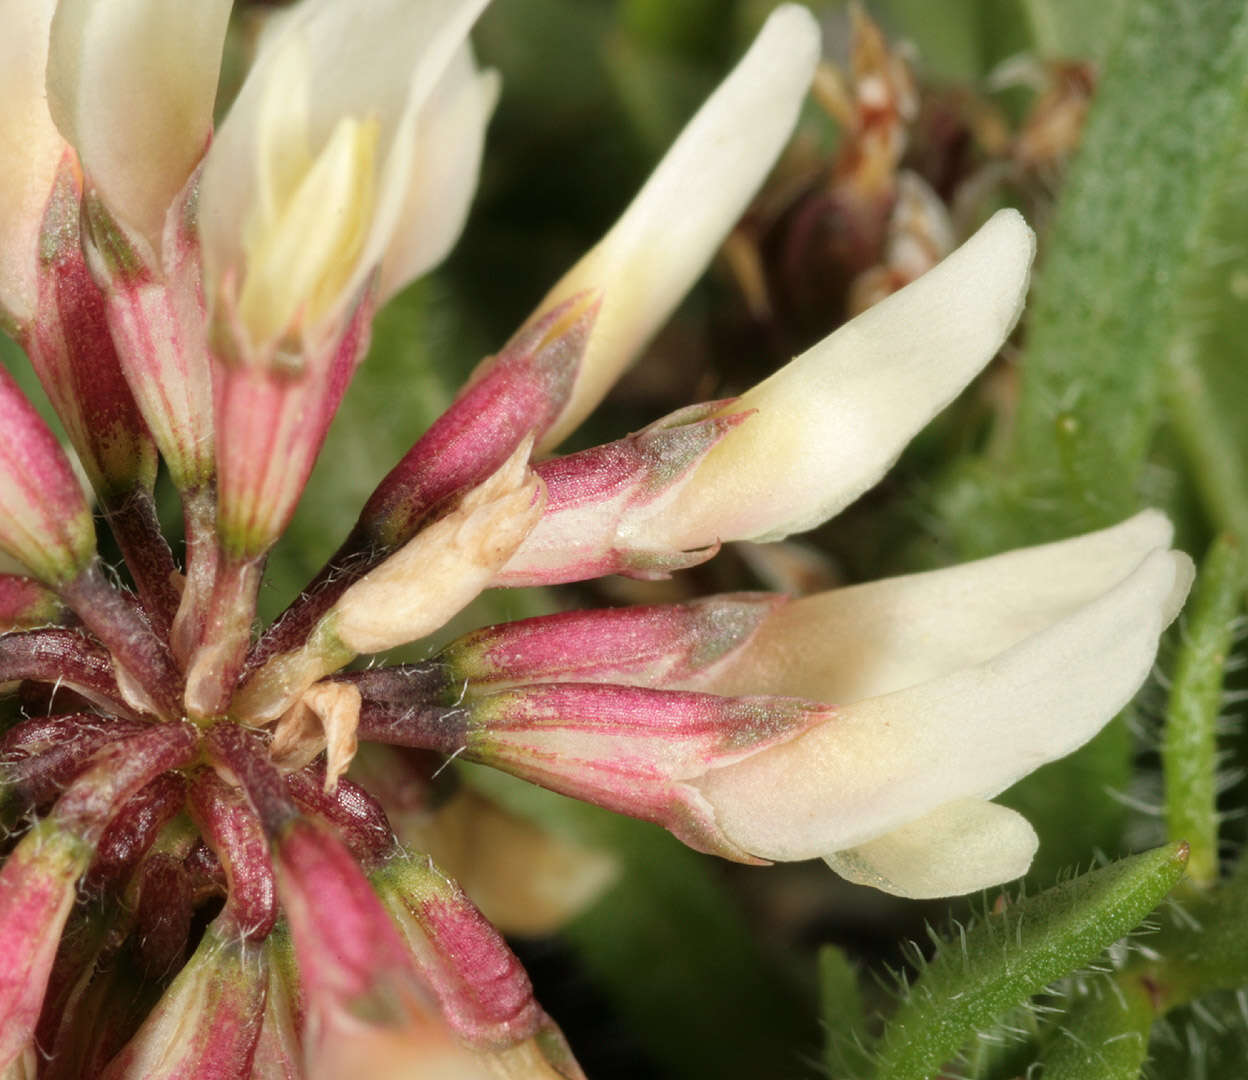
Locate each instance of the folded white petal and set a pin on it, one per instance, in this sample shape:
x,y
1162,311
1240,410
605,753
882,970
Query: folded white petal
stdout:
x,y
882,762
652,256
451,133
132,85
30,149
378,62
445,565
830,423
958,848
866,640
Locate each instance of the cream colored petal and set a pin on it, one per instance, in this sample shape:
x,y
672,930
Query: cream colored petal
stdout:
x,y
30,150
375,60
436,573
132,85
867,640
830,423
885,761
450,138
660,246
958,848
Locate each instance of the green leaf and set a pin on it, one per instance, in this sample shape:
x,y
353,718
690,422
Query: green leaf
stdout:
x,y
1064,29
1203,946
1105,1037
995,965
1207,379
1189,748
1162,139
844,1020
1206,1043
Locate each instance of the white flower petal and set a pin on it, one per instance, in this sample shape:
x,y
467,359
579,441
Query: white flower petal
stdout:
x,y
958,848
131,83
887,760
377,61
30,150
451,137
830,423
660,246
866,640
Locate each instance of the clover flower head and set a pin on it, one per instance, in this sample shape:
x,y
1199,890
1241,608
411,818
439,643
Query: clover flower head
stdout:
x,y
194,884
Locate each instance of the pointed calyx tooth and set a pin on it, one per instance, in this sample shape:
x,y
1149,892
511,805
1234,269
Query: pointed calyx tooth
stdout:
x,y
324,719
511,396
595,498
444,566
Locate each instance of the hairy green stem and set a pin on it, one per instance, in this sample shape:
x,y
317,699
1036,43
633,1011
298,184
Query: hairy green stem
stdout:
x,y
1189,746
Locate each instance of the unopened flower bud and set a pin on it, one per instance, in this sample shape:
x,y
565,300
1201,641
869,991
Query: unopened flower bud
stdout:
x,y
208,1021
44,520
38,882
484,993
662,645
132,86
31,150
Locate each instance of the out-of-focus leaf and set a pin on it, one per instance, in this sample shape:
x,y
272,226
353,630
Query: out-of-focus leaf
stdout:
x,y
1105,1037
841,1011
1202,1044
996,964
1203,945
658,89
671,949
1207,374
1071,29
1164,134
698,29
1109,309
